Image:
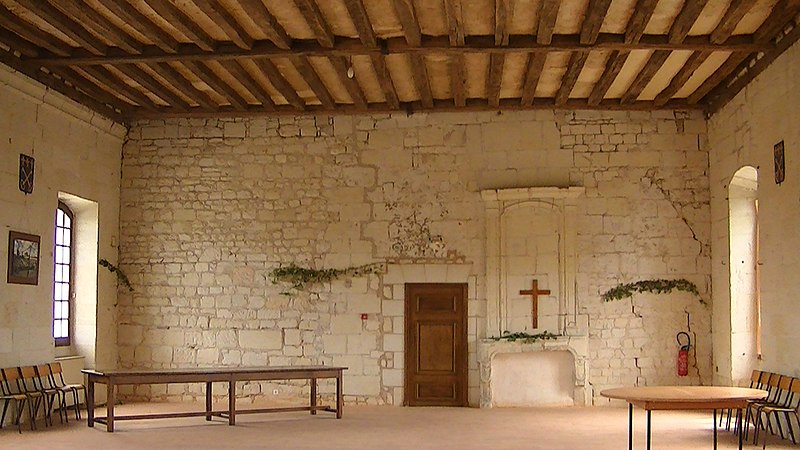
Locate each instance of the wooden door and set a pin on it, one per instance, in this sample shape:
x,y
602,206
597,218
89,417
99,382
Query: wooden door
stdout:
x,y
436,345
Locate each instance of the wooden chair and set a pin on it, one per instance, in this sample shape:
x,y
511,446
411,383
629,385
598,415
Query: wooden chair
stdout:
x,y
57,378
30,388
43,382
9,396
768,381
784,404
755,383
13,382
779,396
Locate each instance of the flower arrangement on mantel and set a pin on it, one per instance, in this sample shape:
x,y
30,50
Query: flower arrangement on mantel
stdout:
x,y
121,277
659,286
301,277
525,337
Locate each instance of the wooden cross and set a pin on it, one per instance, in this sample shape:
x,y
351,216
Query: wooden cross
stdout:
x,y
534,292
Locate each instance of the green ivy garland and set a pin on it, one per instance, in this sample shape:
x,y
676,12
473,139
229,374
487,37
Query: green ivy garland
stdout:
x,y
659,286
116,270
525,337
300,277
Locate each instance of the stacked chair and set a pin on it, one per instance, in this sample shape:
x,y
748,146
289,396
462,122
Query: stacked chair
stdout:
x,y
782,402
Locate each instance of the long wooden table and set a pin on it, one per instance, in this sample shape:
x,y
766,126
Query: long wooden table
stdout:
x,y
652,398
230,375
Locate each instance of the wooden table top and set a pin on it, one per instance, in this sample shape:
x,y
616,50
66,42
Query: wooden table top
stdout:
x,y
683,394
209,370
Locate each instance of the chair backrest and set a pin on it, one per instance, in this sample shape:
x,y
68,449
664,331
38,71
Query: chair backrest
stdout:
x,y
44,375
11,378
57,374
755,378
28,377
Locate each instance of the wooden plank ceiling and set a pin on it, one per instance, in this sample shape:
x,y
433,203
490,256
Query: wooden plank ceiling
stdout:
x,y
132,59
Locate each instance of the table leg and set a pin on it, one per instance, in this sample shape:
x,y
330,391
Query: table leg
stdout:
x,y
313,396
648,429
339,395
231,403
739,413
208,400
110,407
630,426
90,402
715,429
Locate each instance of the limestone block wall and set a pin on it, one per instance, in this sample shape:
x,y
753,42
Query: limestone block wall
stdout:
x,y
209,207
743,133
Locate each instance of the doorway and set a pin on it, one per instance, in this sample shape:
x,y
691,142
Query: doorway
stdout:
x,y
436,344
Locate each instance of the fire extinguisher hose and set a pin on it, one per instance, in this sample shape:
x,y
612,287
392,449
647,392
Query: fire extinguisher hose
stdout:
x,y
688,344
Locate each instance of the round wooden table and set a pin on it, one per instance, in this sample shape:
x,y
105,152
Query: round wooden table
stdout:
x,y
652,398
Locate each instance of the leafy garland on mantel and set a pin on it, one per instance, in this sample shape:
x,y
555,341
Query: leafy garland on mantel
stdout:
x,y
659,286
121,277
525,337
301,277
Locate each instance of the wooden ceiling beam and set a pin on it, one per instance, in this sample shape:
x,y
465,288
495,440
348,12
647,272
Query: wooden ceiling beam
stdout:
x,y
150,83
64,24
184,85
281,84
183,23
351,84
311,77
733,15
686,18
313,16
593,21
420,70
361,20
576,62
408,18
238,71
220,16
99,25
639,19
532,75
103,75
719,75
215,82
501,19
647,73
142,24
104,94
548,13
455,29
16,43
614,65
264,19
494,78
458,79
32,34
782,14
385,80
683,75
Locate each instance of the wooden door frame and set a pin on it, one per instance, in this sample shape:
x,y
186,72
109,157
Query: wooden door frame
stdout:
x,y
463,355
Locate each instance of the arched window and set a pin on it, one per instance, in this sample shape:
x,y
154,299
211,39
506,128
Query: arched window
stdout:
x,y
62,273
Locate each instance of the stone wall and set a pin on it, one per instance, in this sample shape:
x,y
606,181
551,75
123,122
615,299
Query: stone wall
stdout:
x,y
209,207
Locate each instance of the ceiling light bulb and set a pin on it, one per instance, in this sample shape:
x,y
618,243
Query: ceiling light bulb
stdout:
x,y
350,72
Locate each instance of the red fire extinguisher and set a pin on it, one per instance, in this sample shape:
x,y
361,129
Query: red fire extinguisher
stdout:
x,y
683,354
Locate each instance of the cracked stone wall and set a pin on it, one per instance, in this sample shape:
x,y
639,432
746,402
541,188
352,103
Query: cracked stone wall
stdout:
x,y
210,206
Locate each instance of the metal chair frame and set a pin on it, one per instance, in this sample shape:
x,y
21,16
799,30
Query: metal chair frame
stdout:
x,y
43,382
33,398
8,396
57,380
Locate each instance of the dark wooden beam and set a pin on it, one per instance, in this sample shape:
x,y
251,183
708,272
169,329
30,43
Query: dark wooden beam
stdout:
x,y
614,64
639,19
32,34
361,20
314,81
102,93
215,82
683,75
64,24
408,17
532,75
385,80
100,25
279,81
182,84
455,29
686,18
458,80
548,13
652,66
244,78
58,85
223,19
784,12
18,44
112,81
733,15
267,22
356,94
501,19
719,75
178,19
494,78
420,70
142,24
316,21
593,20
150,83
576,62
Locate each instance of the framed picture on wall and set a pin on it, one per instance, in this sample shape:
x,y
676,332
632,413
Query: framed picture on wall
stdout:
x,y
23,258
